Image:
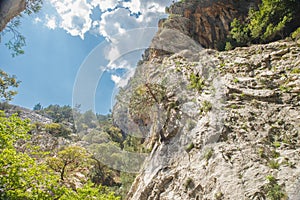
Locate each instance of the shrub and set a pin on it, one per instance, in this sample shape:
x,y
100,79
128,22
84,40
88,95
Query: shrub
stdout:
x,y
189,147
189,183
273,20
208,154
276,144
57,129
196,82
228,46
273,189
206,107
296,34
274,164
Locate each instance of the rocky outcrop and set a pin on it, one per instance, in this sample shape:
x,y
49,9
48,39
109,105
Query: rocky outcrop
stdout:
x,y
232,135
10,9
207,21
219,125
24,113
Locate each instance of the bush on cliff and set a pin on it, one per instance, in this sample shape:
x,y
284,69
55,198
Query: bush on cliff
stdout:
x,y
274,19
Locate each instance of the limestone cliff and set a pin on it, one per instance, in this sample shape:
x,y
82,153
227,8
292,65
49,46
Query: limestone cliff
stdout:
x,y
207,21
228,139
219,125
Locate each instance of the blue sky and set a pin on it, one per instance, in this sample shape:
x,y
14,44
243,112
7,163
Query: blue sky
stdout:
x,y
60,41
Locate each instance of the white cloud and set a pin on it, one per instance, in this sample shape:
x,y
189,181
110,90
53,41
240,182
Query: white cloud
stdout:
x,y
133,5
120,29
104,5
112,55
37,20
116,79
74,15
51,22
151,12
121,81
125,32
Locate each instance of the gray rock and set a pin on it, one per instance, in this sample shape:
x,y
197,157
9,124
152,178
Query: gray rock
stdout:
x,y
250,130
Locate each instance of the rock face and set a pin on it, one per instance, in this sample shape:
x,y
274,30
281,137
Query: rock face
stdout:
x,y
233,135
10,9
222,125
207,21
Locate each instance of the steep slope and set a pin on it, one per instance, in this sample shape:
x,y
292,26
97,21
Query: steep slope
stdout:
x,y
219,125
207,21
232,137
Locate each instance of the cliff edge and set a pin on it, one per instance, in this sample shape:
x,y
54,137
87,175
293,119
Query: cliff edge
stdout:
x,y
219,125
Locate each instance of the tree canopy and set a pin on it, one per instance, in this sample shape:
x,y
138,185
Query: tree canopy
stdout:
x,y
7,83
274,19
25,177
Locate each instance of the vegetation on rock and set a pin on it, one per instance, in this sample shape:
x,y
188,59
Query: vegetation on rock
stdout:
x,y
275,19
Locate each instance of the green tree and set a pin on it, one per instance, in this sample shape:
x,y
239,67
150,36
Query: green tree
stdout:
x,y
22,177
59,114
90,192
127,179
58,130
102,174
70,159
143,98
273,20
269,21
37,107
96,136
7,82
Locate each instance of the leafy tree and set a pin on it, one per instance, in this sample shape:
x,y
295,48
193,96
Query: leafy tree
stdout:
x,y
16,42
115,133
59,114
143,99
70,159
133,144
239,32
102,174
273,20
127,180
7,82
96,136
90,192
38,107
21,177
57,129
108,153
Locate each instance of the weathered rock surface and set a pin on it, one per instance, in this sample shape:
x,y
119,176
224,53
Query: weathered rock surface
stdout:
x,y
226,140
24,113
207,21
10,9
